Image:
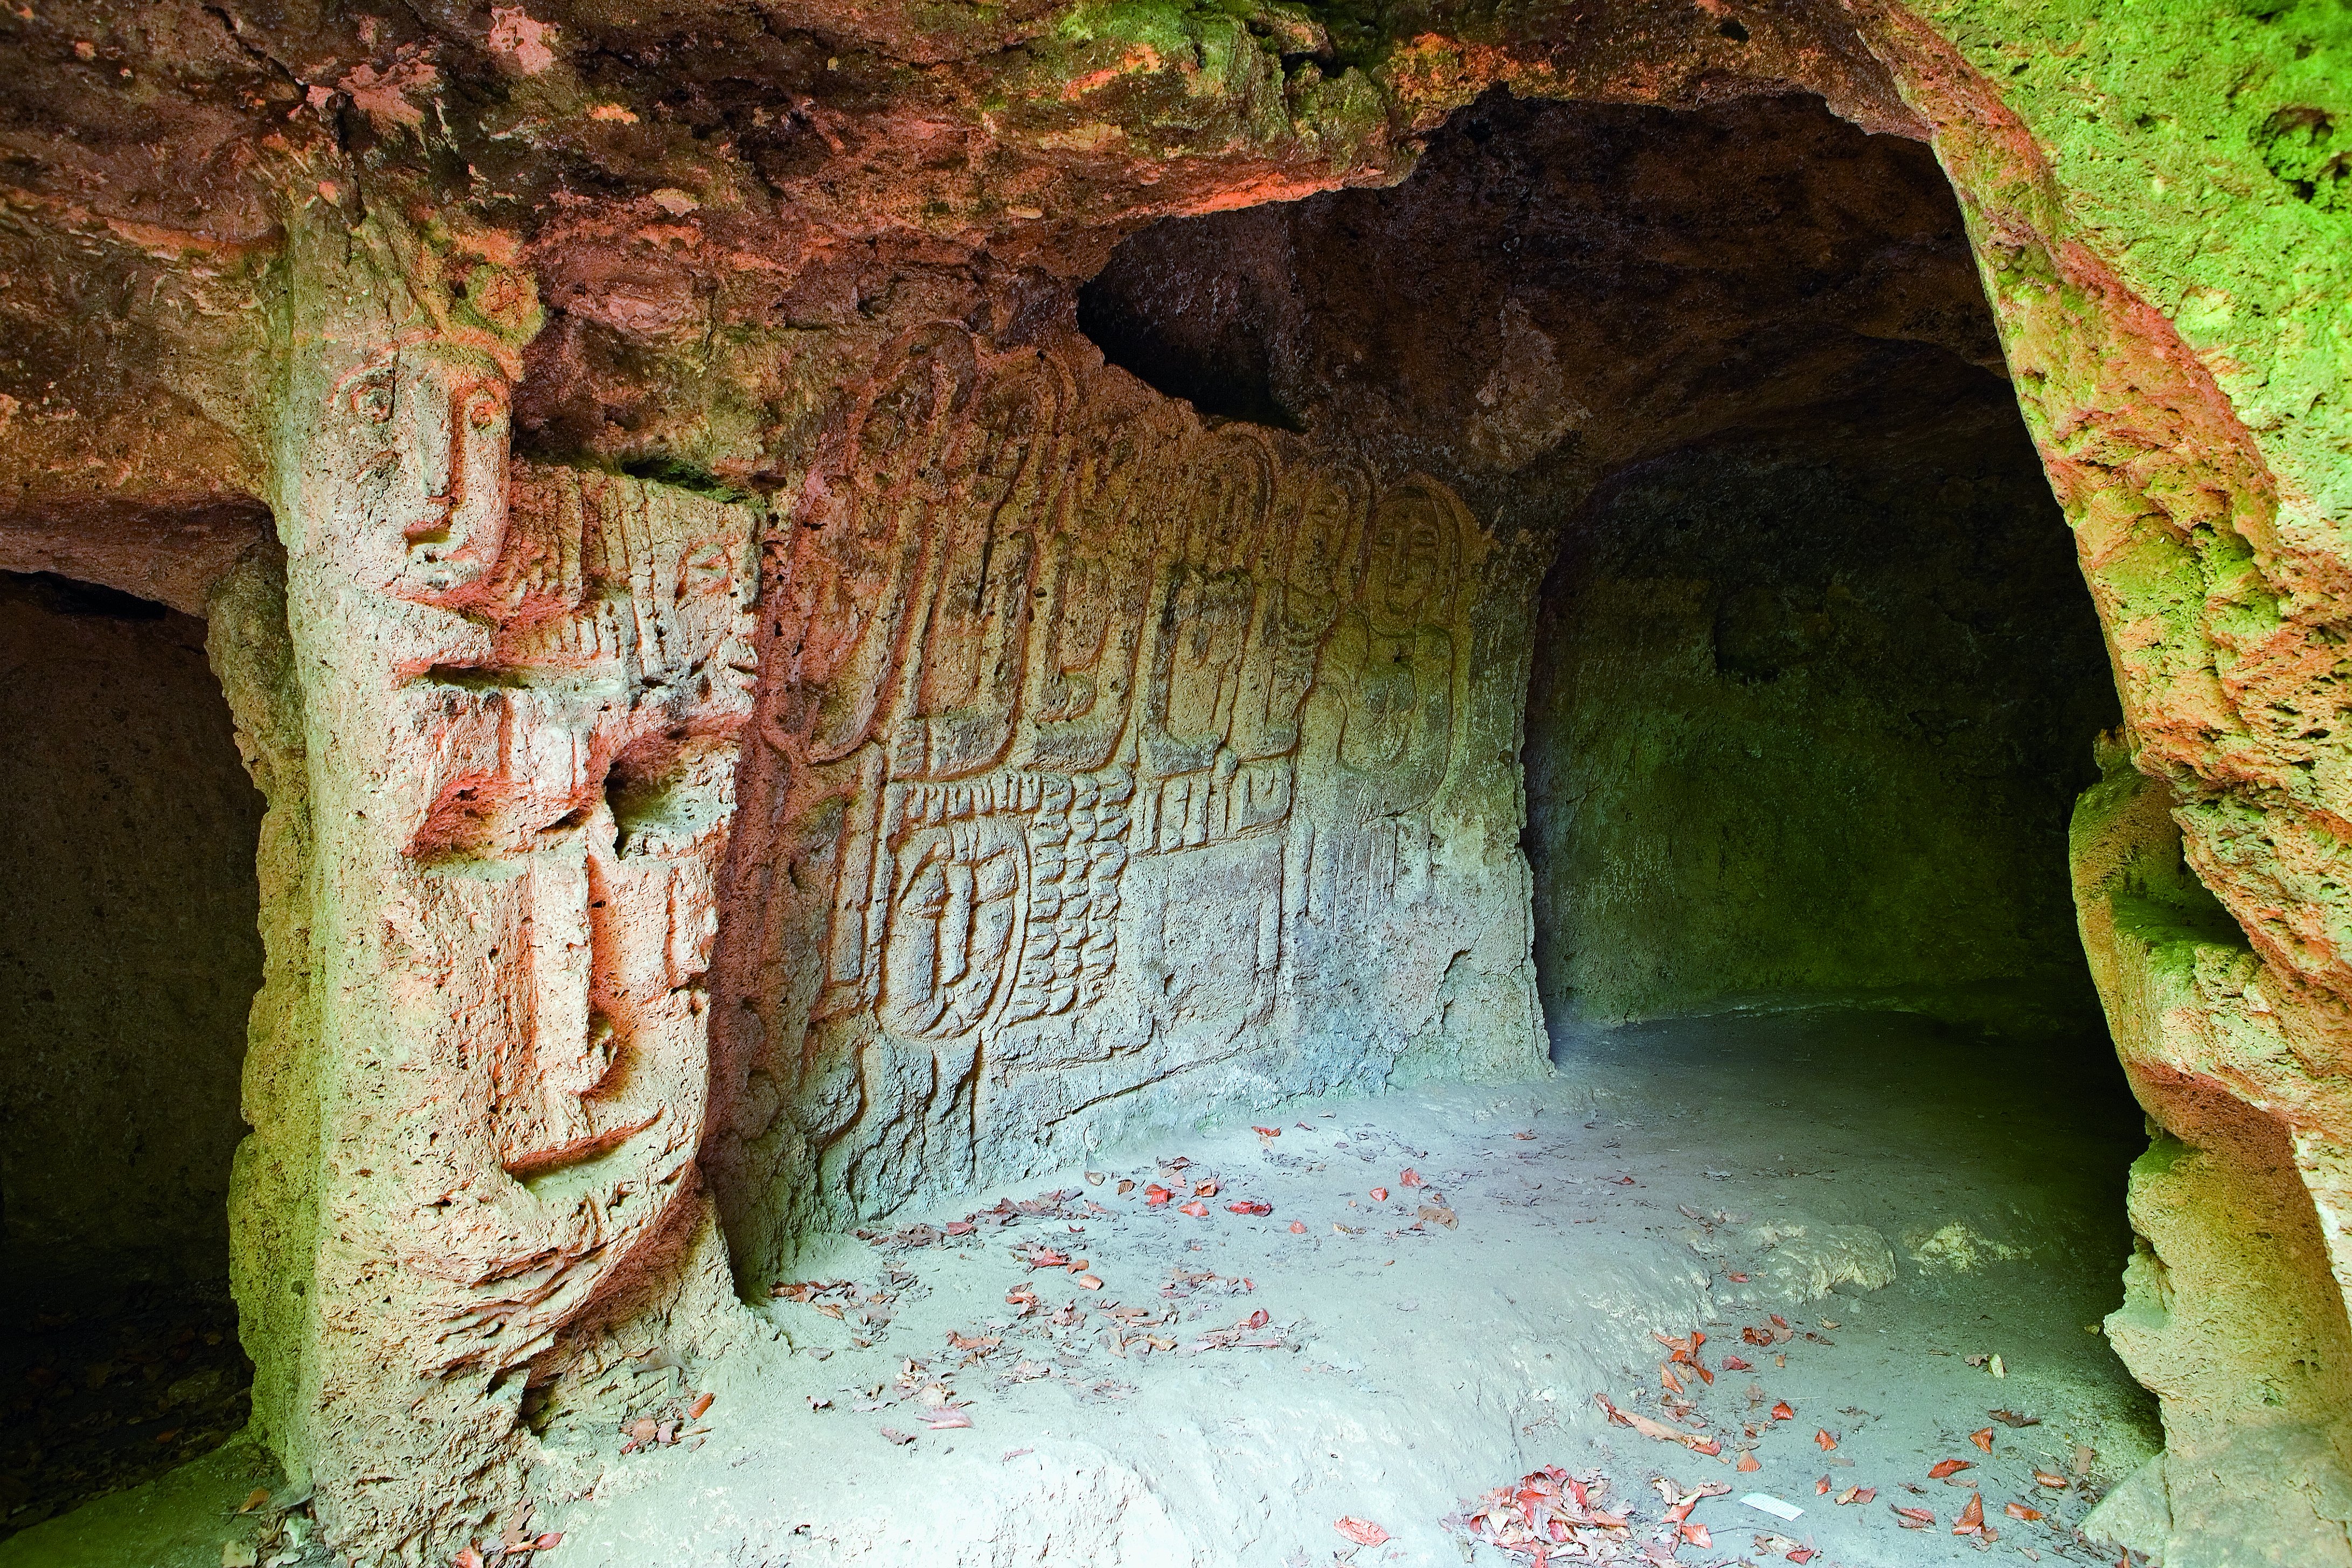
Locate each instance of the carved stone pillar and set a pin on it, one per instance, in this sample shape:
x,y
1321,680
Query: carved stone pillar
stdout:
x,y
518,692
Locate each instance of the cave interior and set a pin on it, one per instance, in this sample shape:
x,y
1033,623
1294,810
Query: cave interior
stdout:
x,y
1811,684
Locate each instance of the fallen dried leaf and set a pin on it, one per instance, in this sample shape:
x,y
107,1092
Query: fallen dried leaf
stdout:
x,y
1822,1486
1747,1463
1803,1554
941,1419
1972,1520
260,1495
1732,1364
1825,1440
1657,1429
1267,1131
1297,1227
1250,1205
1982,1439
1257,1319
2055,1483
894,1436
1913,1517
1362,1531
1695,1534
1125,1187
466,1556
548,1542
1204,1189
694,1411
1855,1495
1196,1208
1667,1379
1408,1177
1380,1195
1781,1412
1156,1195
2019,1510
1087,1282
1437,1213
1942,1467
2012,1418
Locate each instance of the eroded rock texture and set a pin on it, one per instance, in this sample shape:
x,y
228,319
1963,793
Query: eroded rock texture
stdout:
x,y
1091,754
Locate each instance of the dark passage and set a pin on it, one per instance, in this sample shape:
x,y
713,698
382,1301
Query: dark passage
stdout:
x,y
128,959
1814,678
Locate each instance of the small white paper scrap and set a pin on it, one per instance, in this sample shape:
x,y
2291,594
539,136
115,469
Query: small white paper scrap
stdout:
x,y
1772,1505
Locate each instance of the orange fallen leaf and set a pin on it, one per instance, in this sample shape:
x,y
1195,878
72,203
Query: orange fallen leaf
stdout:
x,y
694,1411
1380,1195
1204,1189
260,1495
1087,1282
467,1558
2019,1510
1362,1531
1125,1187
1747,1462
1972,1520
1196,1208
1855,1495
1695,1534
1257,1319
1913,1517
1982,1439
1667,1379
1409,1177
1942,1467
1297,1227
2055,1483
1155,1194
1802,1554
548,1542
1524,1137
1250,1205
1737,1278
1267,1131
1781,1412
1825,1440
1732,1364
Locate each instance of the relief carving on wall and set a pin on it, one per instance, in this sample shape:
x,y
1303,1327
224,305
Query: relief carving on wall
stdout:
x,y
1028,669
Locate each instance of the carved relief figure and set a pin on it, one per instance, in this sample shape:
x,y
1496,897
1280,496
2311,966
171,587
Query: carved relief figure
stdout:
x,y
421,513
1091,601
543,674
963,662
1384,707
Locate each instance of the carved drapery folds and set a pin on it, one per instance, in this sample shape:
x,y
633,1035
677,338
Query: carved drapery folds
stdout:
x,y
1077,719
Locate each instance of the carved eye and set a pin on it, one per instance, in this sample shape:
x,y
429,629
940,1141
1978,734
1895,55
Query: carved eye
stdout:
x,y
374,396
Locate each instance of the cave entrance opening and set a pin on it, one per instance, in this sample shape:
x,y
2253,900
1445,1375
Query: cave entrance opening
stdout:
x,y
1814,682
129,942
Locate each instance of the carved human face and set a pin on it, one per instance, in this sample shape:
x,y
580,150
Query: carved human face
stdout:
x,y
955,923
425,438
1408,565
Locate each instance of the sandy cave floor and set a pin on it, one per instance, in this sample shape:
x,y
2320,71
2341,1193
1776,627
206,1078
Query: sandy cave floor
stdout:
x,y
1403,1366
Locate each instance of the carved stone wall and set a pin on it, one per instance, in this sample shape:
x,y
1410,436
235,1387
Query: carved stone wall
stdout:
x,y
1106,764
